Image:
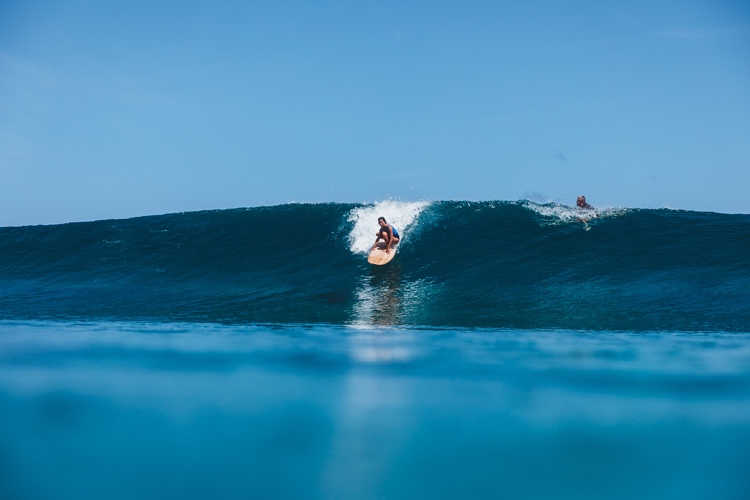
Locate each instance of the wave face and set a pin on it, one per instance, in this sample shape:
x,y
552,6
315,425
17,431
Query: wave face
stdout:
x,y
460,264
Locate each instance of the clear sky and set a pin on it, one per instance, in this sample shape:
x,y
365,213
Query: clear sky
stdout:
x,y
125,108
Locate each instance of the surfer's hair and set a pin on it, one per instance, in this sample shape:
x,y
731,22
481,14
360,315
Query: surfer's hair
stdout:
x,y
383,219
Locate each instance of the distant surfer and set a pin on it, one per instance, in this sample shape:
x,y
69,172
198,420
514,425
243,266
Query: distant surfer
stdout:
x,y
388,233
581,202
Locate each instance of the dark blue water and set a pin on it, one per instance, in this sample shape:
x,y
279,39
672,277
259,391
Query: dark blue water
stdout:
x,y
510,350
497,265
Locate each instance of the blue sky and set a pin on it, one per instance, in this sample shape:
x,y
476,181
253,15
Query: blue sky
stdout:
x,y
120,109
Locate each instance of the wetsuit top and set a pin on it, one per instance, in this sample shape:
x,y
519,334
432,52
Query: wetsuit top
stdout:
x,y
395,233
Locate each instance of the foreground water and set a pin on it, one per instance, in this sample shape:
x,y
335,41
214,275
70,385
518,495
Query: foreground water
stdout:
x,y
531,356
125,410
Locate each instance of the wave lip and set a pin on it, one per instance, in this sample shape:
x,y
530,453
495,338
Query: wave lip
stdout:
x,y
559,214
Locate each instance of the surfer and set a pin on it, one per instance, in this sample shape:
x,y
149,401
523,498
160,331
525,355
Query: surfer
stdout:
x,y
388,233
581,202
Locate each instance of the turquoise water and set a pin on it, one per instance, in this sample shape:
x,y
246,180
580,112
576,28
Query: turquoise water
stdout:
x,y
125,410
179,357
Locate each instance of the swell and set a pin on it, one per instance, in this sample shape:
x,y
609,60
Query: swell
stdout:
x,y
633,269
490,264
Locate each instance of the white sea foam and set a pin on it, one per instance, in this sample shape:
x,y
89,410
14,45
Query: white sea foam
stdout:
x,y
558,214
399,214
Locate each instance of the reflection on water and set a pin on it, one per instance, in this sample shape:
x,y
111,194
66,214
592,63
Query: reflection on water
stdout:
x,y
384,298
378,297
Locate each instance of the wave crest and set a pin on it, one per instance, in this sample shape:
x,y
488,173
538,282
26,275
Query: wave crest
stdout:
x,y
561,214
400,214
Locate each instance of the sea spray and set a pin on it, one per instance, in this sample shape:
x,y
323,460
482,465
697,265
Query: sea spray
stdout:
x,y
553,213
399,214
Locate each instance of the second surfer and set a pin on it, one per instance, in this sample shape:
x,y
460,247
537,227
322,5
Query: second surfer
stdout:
x,y
583,205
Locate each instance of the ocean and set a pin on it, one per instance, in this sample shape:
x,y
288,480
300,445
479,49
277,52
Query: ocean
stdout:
x,y
510,350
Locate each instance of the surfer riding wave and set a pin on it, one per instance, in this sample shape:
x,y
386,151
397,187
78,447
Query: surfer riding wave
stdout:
x,y
388,233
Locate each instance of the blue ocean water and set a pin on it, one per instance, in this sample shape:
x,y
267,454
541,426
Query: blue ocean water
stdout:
x,y
510,350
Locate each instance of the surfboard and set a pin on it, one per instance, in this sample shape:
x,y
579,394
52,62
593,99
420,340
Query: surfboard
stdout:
x,y
379,257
